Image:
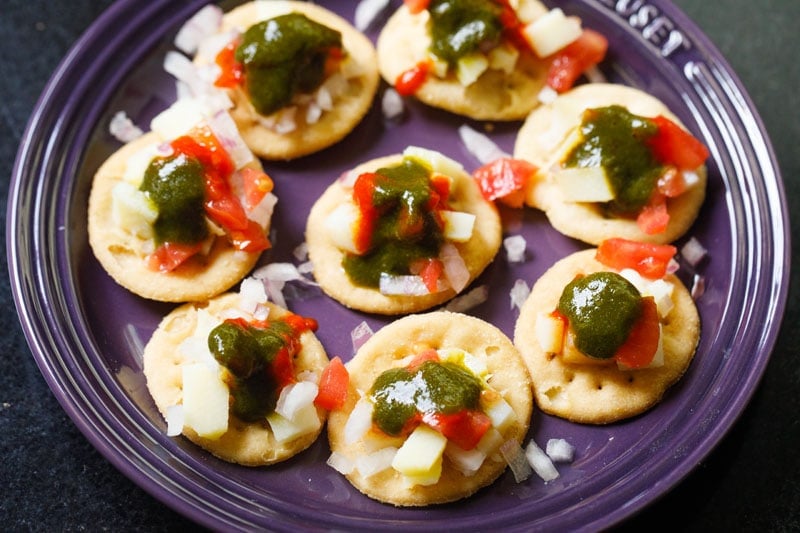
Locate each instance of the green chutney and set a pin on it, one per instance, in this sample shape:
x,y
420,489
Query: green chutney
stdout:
x,y
462,27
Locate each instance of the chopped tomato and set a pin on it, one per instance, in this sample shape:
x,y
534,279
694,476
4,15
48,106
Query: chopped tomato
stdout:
x,y
282,367
431,272
171,255
576,58
464,428
250,239
642,342
412,79
673,145
513,27
333,384
416,6
649,260
231,71
426,355
440,191
504,179
654,218
363,190
257,185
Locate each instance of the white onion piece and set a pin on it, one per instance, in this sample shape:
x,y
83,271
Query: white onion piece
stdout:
x,y
212,45
295,397
540,462
174,418
281,272
359,421
306,267
560,451
455,270
340,463
367,11
227,133
515,248
286,122
402,285
360,334
308,375
300,251
595,75
481,146
184,70
698,286
347,179
251,293
261,214
370,464
673,266
693,252
468,300
515,458
199,26
392,104
547,95
519,293
123,129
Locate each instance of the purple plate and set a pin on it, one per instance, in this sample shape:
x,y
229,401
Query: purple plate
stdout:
x,y
86,333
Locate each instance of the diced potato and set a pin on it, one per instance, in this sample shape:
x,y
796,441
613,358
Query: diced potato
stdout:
x,y
474,364
178,118
571,354
500,413
458,225
137,164
551,32
503,57
132,210
580,184
469,68
205,400
341,224
434,160
430,477
421,453
439,66
529,10
661,291
549,332
304,421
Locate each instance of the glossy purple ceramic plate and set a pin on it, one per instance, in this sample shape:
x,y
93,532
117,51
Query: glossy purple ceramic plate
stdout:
x,y
87,333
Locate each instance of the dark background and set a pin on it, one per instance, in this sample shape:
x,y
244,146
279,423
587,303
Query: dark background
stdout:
x,y
51,478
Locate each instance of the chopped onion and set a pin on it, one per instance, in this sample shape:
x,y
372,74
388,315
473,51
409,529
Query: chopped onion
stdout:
x,y
519,293
275,276
513,455
347,179
392,104
306,267
360,334
175,420
123,129
673,266
693,252
323,99
251,294
595,75
540,462
402,285
367,11
295,397
698,286
184,70
468,300
340,463
560,451
515,248
313,113
300,251
370,464
286,122
227,133
261,214
455,270
479,145
359,421
201,25
547,95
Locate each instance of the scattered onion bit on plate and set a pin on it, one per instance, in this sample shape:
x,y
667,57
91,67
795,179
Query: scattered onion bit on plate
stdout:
x,y
519,293
468,300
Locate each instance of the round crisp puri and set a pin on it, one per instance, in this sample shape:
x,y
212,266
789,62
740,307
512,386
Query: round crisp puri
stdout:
x,y
407,337
121,253
601,394
250,444
326,257
495,95
543,141
333,125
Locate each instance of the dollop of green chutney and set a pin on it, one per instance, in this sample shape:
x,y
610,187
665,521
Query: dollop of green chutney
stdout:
x,y
176,184
602,308
615,139
401,196
399,394
248,352
462,27
284,56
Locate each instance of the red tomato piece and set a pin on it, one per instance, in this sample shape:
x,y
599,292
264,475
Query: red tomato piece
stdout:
x,y
250,239
464,428
426,355
654,218
416,6
412,79
673,145
576,58
231,71
504,179
282,367
431,272
257,185
333,385
649,260
363,192
171,255
642,342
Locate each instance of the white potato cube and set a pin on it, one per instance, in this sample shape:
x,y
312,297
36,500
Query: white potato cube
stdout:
x,y
178,118
205,400
551,32
430,477
132,210
500,413
341,225
137,164
549,332
584,184
305,421
434,160
469,68
421,453
503,57
458,225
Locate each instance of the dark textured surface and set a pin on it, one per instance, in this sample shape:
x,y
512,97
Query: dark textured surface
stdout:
x,y
53,479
